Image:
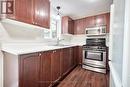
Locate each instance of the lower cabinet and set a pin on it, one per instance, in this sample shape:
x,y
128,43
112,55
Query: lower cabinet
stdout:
x,y
76,55
65,61
68,61
43,69
80,55
29,70
55,65
71,56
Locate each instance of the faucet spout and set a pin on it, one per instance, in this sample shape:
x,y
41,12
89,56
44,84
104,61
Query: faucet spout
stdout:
x,y
59,40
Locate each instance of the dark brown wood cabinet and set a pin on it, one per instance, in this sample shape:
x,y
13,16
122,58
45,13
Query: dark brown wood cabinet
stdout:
x,y
80,54
71,56
78,26
75,55
24,11
67,25
81,24
67,60
42,13
55,65
29,70
36,12
89,22
35,70
45,69
103,19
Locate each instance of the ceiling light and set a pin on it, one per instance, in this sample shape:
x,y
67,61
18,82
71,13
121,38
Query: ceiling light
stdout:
x,y
58,14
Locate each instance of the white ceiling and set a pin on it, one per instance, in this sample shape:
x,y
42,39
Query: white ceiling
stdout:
x,y
81,8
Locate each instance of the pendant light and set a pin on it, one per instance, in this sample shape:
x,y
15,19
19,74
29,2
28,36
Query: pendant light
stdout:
x,y
58,14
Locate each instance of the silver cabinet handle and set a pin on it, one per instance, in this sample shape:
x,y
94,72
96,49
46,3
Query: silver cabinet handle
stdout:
x,y
33,22
40,54
54,51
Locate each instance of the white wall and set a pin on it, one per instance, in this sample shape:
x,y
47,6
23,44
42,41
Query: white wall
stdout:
x,y
3,35
126,58
117,43
23,31
1,70
121,49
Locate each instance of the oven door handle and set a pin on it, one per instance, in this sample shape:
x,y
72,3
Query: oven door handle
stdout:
x,y
95,51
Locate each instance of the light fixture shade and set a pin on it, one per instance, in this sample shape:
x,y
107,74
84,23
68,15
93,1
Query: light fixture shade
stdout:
x,y
58,17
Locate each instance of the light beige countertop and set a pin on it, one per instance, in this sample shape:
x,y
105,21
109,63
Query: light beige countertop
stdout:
x,y
25,49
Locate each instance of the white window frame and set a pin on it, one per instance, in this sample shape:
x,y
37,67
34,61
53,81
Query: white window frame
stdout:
x,y
58,28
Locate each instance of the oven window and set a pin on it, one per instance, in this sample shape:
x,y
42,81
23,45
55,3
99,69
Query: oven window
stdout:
x,y
91,55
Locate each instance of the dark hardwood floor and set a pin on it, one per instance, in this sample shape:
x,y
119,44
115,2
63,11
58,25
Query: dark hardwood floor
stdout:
x,y
84,78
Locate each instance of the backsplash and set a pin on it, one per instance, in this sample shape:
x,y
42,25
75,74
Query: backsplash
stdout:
x,y
73,39
3,33
18,30
79,39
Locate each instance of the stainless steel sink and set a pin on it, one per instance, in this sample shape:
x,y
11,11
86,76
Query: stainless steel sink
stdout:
x,y
60,45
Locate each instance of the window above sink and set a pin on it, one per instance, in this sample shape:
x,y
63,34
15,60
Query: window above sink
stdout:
x,y
55,26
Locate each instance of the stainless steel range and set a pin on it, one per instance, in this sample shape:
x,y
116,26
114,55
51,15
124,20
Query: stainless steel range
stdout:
x,y
94,54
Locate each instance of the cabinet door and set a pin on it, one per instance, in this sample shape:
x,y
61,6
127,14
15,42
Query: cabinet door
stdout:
x,y
100,19
103,19
24,10
75,56
45,69
71,58
55,65
67,25
90,21
29,70
80,54
79,26
70,26
65,61
42,13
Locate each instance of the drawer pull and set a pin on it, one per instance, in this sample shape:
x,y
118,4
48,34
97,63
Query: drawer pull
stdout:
x,y
54,51
40,54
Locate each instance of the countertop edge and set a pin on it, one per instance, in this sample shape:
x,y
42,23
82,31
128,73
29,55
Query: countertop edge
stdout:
x,y
15,52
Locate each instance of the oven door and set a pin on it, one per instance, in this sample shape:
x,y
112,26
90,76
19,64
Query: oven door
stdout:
x,y
97,58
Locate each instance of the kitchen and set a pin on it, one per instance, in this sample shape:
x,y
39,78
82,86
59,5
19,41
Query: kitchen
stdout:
x,y
64,43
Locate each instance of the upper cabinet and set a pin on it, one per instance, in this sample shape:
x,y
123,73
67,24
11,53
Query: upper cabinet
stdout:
x,y
103,19
24,11
36,12
42,13
81,24
67,25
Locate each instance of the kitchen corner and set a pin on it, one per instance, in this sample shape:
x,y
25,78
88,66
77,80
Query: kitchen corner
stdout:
x,y
18,54
31,42
64,43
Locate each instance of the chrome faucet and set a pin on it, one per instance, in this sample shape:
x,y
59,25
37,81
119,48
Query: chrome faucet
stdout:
x,y
59,40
